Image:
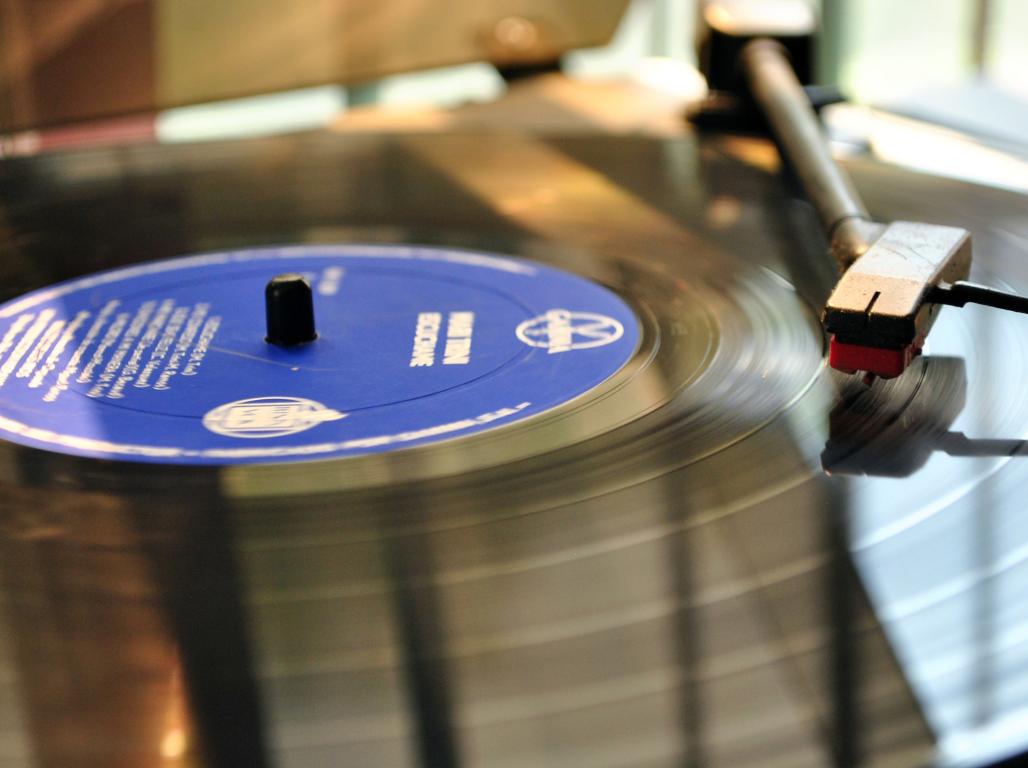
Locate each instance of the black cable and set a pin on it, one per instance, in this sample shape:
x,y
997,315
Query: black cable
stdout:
x,y
960,293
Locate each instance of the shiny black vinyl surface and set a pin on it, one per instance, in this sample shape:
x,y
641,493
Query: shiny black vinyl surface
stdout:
x,y
755,562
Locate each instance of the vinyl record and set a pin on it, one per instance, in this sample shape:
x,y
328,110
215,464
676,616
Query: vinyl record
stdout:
x,y
694,544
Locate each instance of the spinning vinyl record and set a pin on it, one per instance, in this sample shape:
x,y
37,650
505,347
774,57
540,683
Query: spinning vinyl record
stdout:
x,y
542,465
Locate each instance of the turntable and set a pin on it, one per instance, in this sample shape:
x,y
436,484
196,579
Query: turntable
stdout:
x,y
512,435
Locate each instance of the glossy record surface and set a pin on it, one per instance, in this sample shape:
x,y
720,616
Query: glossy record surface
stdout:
x,y
685,584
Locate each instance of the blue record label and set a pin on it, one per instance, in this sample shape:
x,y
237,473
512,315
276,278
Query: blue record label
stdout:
x,y
167,361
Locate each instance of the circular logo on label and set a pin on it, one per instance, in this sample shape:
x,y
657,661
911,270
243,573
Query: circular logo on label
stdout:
x,y
268,417
561,330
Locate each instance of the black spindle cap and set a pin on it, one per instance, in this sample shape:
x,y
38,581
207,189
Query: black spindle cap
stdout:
x,y
289,306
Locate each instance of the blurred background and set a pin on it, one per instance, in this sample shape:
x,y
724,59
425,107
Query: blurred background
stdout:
x,y
200,64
